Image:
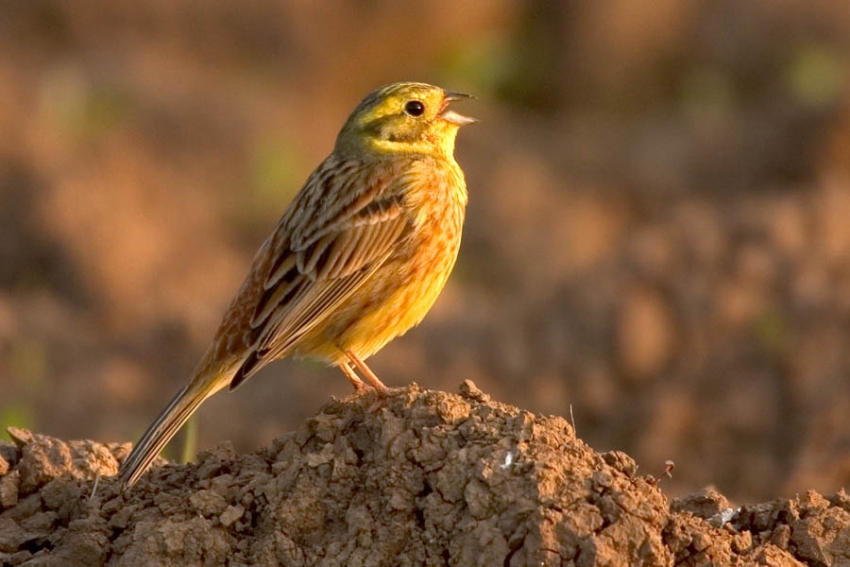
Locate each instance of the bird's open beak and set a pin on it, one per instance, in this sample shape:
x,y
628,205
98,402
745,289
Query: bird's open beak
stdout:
x,y
451,115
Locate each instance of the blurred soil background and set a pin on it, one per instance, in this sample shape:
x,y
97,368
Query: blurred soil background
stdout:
x,y
658,233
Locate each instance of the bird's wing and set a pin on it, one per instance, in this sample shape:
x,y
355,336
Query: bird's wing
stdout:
x,y
345,222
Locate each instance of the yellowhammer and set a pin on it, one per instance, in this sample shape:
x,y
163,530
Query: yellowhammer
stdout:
x,y
358,258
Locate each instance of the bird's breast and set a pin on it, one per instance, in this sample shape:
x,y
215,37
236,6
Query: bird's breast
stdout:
x,y
402,291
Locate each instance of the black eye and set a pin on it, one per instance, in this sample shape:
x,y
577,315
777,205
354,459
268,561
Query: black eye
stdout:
x,y
414,108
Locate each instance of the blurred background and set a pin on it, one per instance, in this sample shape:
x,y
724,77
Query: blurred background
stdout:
x,y
658,233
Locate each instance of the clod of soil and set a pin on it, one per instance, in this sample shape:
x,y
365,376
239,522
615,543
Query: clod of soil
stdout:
x,y
418,478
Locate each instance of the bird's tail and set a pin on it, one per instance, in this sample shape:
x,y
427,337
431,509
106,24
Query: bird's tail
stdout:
x,y
161,431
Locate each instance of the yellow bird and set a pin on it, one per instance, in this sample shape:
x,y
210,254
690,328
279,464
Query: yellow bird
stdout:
x,y
358,258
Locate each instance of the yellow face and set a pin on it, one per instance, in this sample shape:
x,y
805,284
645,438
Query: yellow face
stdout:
x,y
403,118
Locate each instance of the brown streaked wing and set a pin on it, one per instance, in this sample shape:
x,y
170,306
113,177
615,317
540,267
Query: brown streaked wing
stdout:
x,y
355,225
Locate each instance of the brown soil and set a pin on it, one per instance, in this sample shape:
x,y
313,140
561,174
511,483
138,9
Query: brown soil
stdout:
x,y
420,478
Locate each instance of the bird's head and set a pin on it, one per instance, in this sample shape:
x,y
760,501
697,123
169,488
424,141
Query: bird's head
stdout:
x,y
403,118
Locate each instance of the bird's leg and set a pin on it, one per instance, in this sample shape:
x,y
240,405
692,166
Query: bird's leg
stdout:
x,y
359,386
373,380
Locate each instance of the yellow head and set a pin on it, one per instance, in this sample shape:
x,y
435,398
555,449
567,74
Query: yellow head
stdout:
x,y
403,118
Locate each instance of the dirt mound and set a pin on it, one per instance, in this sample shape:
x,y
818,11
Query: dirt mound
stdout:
x,y
420,478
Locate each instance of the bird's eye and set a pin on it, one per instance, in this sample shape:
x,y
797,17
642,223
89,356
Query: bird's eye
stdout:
x,y
414,108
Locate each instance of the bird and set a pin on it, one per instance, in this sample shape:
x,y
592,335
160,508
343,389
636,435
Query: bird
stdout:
x,y
357,259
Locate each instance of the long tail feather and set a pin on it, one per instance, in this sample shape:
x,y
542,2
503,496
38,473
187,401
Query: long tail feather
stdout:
x,y
160,433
